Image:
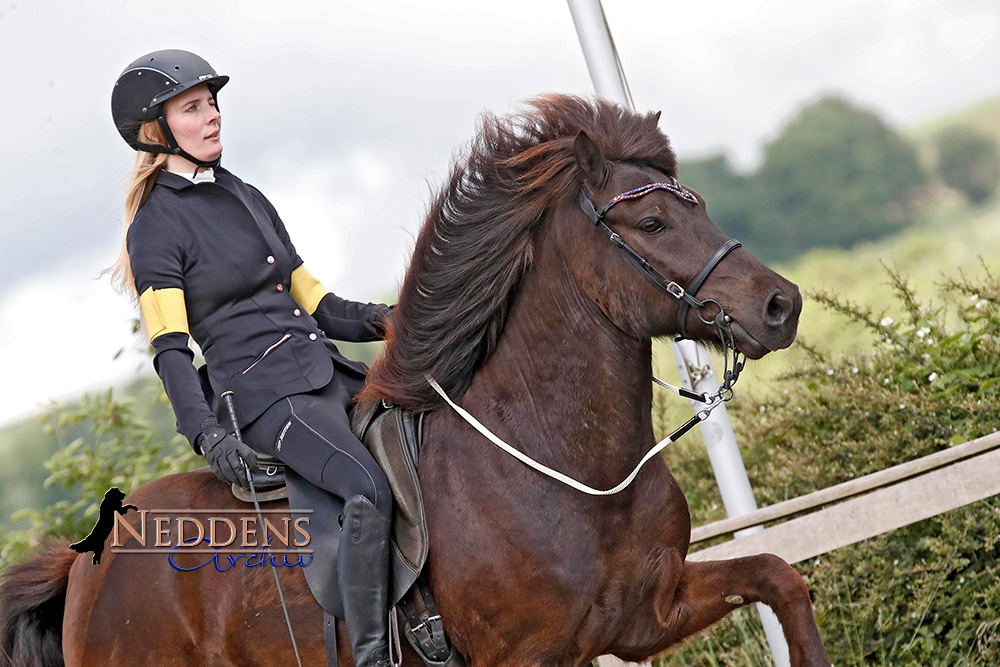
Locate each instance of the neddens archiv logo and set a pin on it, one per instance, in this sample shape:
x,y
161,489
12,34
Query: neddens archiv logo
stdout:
x,y
227,537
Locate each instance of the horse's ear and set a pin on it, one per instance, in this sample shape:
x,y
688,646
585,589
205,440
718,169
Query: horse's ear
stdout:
x,y
591,161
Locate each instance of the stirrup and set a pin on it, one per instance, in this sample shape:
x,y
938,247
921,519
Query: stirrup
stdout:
x,y
424,631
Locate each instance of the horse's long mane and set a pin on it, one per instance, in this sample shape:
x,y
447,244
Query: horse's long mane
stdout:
x,y
477,240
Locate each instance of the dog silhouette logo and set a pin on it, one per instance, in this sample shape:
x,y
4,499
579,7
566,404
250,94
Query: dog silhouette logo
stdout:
x,y
105,523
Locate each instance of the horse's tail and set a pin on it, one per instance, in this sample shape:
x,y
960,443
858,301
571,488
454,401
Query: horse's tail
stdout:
x,y
32,598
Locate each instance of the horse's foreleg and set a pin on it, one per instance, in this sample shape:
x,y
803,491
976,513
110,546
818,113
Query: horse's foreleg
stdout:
x,y
709,590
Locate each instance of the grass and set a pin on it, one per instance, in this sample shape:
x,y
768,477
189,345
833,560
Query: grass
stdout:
x,y
753,651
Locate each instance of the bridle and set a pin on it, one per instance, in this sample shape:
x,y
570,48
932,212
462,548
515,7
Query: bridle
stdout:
x,y
671,288
687,299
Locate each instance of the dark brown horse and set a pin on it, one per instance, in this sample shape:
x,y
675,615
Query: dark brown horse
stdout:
x,y
528,317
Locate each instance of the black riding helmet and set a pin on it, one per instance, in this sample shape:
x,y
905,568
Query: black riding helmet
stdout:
x,y
150,81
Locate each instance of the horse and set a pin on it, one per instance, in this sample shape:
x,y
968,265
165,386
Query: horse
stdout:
x,y
528,310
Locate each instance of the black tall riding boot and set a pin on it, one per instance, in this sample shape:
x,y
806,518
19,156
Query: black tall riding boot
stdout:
x,y
363,572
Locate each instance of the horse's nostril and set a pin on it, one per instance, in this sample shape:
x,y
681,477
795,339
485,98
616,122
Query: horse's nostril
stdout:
x,y
778,309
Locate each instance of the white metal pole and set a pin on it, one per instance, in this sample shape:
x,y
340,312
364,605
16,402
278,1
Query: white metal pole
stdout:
x,y
696,373
692,358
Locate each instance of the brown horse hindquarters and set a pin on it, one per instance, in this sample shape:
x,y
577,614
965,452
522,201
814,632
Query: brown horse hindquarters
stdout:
x,y
138,609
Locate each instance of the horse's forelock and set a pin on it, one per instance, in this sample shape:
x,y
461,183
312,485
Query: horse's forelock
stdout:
x,y
476,242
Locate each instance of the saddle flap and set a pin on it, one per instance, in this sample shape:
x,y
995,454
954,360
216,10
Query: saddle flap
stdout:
x,y
362,416
392,435
392,440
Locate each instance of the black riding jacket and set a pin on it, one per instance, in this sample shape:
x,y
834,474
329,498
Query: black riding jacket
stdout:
x,y
213,261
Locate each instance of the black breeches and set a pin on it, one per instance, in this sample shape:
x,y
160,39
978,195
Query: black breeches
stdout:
x,y
311,433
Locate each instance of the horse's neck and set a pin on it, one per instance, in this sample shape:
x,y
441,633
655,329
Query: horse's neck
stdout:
x,y
564,384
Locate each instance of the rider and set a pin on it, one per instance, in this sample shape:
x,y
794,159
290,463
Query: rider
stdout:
x,y
206,256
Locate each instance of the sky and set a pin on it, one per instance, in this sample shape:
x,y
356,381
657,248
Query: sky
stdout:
x,y
347,115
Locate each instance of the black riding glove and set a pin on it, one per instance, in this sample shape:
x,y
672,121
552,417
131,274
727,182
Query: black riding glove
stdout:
x,y
226,454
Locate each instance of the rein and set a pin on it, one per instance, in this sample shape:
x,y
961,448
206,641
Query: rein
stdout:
x,y
721,322
700,416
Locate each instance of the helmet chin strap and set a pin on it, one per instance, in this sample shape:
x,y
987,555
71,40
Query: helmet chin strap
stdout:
x,y
173,148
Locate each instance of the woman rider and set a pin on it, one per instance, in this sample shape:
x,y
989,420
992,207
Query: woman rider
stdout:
x,y
208,257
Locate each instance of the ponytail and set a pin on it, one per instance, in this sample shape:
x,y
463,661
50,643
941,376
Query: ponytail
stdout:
x,y
141,181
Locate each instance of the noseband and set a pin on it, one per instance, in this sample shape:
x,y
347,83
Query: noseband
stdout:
x,y
687,299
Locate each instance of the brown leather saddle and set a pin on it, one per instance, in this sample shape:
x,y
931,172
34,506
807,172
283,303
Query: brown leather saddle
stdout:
x,y
393,436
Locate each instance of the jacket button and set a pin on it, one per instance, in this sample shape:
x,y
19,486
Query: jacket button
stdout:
x,y
281,288
297,312
270,259
312,336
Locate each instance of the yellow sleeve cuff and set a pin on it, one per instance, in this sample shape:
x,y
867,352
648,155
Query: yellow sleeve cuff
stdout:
x,y
164,311
306,289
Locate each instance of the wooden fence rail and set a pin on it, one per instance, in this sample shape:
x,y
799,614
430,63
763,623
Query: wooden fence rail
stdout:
x,y
847,489
859,509
896,497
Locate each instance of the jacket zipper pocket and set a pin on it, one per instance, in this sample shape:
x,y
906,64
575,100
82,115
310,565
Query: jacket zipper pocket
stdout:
x,y
267,352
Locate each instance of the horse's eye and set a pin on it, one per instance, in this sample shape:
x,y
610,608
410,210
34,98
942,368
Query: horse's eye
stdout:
x,y
651,226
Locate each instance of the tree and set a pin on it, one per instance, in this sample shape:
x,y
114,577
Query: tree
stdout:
x,y
724,192
969,161
836,175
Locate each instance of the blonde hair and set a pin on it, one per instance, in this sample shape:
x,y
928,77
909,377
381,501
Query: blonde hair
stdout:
x,y
142,178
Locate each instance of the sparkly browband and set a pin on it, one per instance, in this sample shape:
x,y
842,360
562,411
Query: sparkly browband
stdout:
x,y
675,188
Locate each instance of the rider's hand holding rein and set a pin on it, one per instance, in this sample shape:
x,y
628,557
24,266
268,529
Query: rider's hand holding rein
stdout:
x,y
226,454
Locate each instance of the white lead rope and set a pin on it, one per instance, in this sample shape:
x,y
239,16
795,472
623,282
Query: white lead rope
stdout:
x,y
555,474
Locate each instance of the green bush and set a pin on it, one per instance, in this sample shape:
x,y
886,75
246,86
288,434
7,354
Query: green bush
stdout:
x,y
117,448
924,595
969,161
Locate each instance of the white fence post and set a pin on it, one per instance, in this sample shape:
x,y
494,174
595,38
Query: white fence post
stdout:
x,y
609,81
